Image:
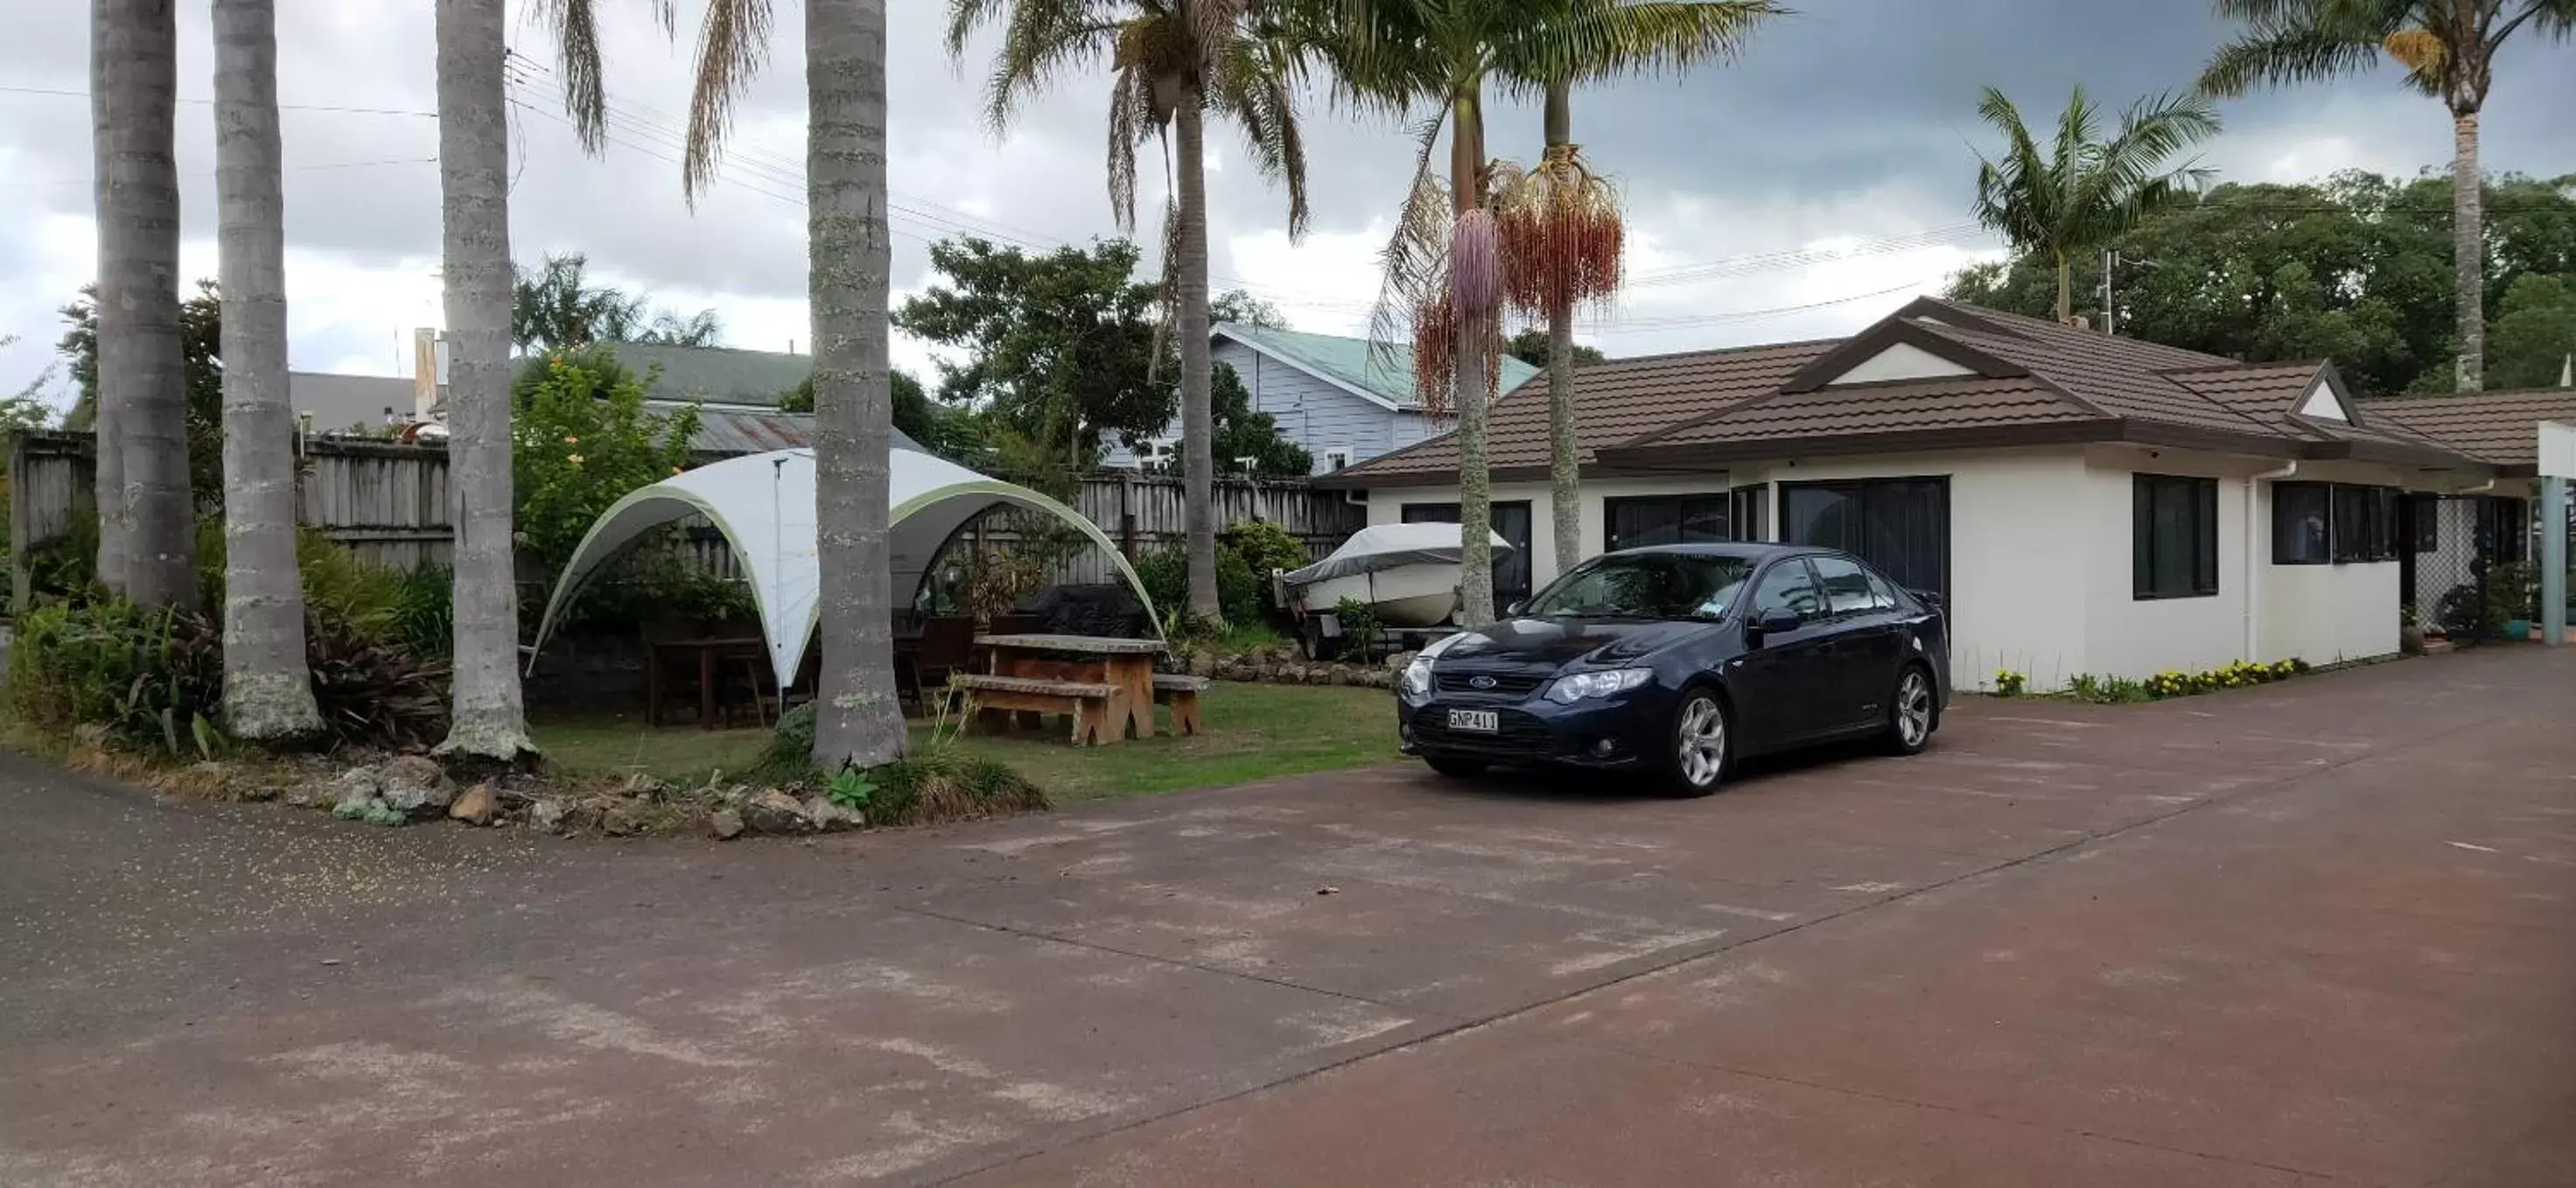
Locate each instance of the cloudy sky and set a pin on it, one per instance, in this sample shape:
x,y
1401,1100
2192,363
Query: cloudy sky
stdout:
x,y
1800,192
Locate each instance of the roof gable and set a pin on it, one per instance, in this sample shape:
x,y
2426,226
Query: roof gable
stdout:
x,y
1354,365
1920,349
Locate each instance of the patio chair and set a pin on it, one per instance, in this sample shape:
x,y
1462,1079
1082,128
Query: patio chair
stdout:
x,y
947,646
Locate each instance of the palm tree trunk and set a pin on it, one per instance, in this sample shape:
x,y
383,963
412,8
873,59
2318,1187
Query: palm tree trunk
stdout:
x,y
2469,247
2065,292
489,724
1564,461
1475,490
268,690
856,721
107,448
1198,424
139,307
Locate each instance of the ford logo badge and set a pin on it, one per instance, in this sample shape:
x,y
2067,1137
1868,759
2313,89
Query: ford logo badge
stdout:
x,y
1482,682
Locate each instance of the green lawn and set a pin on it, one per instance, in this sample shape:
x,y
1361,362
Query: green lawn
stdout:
x,y
1253,732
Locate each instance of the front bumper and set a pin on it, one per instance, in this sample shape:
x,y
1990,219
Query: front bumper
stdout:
x,y
1617,732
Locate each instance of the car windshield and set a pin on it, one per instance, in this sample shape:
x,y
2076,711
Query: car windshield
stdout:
x,y
1647,586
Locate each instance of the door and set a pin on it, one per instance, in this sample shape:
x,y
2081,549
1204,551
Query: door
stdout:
x,y
1867,641
1512,522
1900,527
1779,686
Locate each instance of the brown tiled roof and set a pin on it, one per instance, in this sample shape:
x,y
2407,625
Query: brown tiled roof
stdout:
x,y
1615,401
2498,427
2034,381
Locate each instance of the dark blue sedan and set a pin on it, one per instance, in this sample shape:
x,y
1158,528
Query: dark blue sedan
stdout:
x,y
1674,662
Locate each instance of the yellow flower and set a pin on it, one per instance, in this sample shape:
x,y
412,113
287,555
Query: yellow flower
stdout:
x,y
575,459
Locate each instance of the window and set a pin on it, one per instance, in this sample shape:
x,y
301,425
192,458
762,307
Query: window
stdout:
x,y
2426,531
1788,588
1663,519
1336,460
1847,586
2173,546
1510,519
2300,515
1748,511
2340,523
1900,527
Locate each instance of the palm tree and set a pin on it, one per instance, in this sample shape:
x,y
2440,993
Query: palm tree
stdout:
x,y
148,530
268,689
489,720
1446,271
1174,61
2085,193
857,721
107,448
2448,48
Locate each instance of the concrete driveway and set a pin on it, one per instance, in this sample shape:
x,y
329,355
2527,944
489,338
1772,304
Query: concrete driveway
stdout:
x,y
2316,933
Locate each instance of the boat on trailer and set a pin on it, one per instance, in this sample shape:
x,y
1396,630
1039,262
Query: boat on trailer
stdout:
x,y
1406,573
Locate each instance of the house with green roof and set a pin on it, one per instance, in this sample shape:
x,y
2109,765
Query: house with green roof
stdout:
x,y
1340,398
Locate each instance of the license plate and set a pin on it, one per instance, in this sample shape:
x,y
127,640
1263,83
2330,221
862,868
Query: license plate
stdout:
x,y
1480,721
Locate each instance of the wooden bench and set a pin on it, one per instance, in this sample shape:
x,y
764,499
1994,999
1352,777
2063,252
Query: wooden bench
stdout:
x,y
1182,694
995,697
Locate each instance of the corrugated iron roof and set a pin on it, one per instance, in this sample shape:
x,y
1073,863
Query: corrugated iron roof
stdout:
x,y
729,430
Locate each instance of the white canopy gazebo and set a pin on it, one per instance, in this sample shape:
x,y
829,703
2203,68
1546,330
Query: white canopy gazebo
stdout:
x,y
764,506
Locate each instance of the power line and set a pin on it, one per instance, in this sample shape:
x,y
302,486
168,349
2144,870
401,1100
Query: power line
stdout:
x,y
336,110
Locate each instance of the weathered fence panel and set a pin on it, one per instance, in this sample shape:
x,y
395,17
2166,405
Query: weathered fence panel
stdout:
x,y
391,504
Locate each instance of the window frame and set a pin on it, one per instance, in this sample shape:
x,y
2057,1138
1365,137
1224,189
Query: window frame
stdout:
x,y
1337,460
2147,492
2366,523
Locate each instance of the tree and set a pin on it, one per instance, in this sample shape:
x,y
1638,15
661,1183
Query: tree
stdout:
x,y
1241,433
581,439
2085,193
1533,346
1059,347
556,307
2448,48
1241,308
845,191
489,722
108,450
2355,267
147,527
1173,62
2535,331
1445,275
268,688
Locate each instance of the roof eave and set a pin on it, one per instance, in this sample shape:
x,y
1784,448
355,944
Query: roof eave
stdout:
x,y
1656,457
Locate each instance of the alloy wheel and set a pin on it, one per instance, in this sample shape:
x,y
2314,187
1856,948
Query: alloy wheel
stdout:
x,y
1913,709
1700,742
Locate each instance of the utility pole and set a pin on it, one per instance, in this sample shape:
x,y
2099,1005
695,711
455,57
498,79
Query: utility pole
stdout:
x,y
2110,260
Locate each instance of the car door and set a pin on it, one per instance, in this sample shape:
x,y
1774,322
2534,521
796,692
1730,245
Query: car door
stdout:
x,y
1863,645
1778,686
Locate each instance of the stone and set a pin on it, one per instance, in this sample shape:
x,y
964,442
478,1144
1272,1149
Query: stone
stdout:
x,y
725,824
414,784
624,818
547,813
644,784
772,811
1400,661
1203,663
354,791
475,807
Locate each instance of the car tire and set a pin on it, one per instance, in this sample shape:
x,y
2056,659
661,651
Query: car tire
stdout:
x,y
1913,712
1701,744
1457,769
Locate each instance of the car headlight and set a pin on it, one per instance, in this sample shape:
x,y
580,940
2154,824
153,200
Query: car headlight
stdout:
x,y
1415,684
1570,689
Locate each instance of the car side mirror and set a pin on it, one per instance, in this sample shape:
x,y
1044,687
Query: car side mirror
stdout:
x,y
1513,609
1776,622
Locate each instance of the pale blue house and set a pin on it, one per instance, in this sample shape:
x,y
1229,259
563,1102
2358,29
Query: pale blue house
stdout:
x,y
1332,395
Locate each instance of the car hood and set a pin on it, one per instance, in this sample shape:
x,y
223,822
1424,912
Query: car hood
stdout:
x,y
1555,643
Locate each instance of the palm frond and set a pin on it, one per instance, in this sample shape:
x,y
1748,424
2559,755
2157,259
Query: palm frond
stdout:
x,y
1413,274
1132,118
731,46
1254,84
575,26
2278,52
1589,40
1041,39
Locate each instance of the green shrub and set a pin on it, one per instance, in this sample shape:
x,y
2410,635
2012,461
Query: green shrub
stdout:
x,y
944,784
1240,594
2009,683
1265,546
372,690
791,748
1359,624
151,677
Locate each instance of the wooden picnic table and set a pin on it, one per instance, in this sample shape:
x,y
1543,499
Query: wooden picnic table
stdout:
x,y
708,653
1126,665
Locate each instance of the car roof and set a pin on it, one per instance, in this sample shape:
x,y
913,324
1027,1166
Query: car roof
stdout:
x,y
1752,550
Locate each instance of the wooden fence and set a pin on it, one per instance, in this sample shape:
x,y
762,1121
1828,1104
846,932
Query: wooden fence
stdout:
x,y
390,504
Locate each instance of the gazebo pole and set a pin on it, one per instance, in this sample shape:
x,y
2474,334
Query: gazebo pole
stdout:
x,y
2553,560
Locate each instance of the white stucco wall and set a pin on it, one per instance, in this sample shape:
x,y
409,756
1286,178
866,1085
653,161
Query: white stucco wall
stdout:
x,y
1386,506
2129,637
2325,613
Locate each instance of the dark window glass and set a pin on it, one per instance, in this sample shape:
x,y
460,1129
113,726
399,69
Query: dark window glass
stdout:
x,y
1664,519
1884,594
2300,515
1898,526
1646,586
1787,587
1846,586
2426,531
2352,524
1749,511
2174,541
